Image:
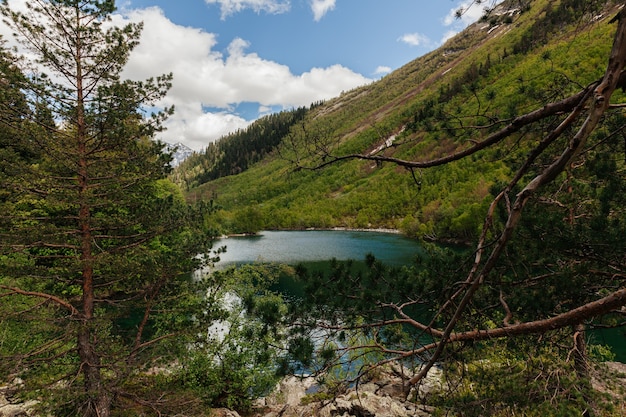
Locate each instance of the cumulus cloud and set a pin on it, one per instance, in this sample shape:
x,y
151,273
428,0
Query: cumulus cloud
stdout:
x,y
321,7
229,7
470,12
449,34
414,39
204,78
382,70
265,110
208,84
193,127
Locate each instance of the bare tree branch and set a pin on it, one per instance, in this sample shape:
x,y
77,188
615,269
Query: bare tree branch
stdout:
x,y
552,109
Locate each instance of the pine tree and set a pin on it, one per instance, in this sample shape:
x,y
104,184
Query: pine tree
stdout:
x,y
94,241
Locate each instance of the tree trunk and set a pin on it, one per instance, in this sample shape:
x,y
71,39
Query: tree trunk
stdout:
x,y
98,398
98,403
581,364
580,352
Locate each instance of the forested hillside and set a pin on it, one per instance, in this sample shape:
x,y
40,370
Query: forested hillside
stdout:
x,y
509,137
234,153
518,56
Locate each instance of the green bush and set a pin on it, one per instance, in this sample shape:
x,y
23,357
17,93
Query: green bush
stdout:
x,y
517,378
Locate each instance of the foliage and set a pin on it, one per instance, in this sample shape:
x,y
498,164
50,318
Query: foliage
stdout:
x,y
234,362
348,316
529,380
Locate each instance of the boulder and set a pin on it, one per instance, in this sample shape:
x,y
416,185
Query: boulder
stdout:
x,y
383,396
223,412
9,408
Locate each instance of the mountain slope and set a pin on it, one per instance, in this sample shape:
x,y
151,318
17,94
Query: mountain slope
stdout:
x,y
518,58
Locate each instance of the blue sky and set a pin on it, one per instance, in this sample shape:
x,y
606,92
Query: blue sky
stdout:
x,y
362,35
236,60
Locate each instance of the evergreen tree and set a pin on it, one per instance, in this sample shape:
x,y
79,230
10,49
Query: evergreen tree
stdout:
x,y
95,245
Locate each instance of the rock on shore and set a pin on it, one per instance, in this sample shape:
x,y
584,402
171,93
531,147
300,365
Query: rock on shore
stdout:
x,y
383,396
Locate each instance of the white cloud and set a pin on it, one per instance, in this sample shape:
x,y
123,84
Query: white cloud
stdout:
x,y
414,39
321,7
193,127
204,78
265,110
382,70
207,79
229,7
470,13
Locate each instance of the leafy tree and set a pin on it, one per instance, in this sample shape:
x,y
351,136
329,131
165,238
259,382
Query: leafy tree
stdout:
x,y
96,246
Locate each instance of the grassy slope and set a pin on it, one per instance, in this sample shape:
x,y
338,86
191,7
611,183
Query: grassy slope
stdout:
x,y
447,201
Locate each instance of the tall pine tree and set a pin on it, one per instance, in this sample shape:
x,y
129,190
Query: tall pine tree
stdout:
x,y
94,243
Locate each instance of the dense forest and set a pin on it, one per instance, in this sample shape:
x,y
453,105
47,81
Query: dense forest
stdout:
x,y
507,141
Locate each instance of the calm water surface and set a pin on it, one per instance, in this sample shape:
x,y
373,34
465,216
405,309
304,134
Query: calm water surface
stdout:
x,y
292,247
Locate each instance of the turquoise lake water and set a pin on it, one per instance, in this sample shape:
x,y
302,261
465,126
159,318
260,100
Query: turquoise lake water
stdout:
x,y
292,247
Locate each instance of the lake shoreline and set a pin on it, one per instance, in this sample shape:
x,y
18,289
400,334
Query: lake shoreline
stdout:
x,y
316,229
441,241
349,229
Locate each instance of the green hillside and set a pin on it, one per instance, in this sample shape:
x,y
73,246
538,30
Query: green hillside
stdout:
x,y
519,57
